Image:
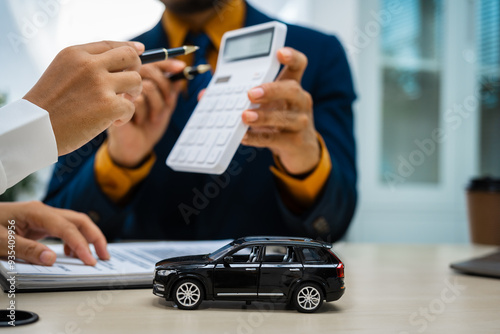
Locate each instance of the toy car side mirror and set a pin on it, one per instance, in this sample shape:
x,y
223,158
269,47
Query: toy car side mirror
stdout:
x,y
228,259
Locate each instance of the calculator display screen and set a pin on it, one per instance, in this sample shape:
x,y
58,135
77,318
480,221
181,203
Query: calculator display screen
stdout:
x,y
252,45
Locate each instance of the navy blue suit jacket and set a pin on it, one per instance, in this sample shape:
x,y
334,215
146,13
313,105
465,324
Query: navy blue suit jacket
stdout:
x,y
244,200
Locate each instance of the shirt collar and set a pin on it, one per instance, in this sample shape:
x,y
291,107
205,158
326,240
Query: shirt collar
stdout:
x,y
229,16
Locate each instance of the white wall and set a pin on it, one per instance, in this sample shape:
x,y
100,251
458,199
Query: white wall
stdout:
x,y
337,17
38,29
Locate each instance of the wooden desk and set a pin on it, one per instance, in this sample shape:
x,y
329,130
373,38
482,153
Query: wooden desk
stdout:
x,y
389,289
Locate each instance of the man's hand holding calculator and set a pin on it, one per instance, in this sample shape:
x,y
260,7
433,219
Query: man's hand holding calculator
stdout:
x,y
278,114
284,120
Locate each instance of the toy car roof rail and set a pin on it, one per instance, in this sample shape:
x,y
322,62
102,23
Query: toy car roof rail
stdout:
x,y
280,239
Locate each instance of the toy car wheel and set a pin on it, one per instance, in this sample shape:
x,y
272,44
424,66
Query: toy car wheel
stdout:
x,y
188,294
308,298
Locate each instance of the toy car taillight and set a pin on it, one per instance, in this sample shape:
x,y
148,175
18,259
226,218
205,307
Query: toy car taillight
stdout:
x,y
340,270
340,266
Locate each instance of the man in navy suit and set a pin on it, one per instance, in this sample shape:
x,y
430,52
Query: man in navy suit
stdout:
x,y
294,173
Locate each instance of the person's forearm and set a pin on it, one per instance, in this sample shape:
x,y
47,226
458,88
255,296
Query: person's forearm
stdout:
x,y
329,217
115,181
300,192
28,142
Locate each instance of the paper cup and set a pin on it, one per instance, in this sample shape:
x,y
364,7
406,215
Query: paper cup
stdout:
x,y
483,202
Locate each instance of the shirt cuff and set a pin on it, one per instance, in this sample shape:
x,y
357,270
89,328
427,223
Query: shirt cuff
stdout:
x,y
116,181
28,142
299,194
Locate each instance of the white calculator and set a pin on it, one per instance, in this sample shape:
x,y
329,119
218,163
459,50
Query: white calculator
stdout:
x,y
247,58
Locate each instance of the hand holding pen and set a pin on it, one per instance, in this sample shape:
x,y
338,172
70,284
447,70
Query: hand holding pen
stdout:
x,y
131,145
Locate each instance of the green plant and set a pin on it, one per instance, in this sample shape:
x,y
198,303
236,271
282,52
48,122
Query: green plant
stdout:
x,y
3,99
25,186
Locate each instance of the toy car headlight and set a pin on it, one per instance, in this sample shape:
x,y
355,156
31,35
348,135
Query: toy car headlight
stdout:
x,y
165,272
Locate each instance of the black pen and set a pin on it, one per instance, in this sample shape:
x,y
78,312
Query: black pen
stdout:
x,y
153,55
190,72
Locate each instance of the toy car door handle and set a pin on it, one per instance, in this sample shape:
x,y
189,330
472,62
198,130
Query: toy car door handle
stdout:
x,y
294,269
251,269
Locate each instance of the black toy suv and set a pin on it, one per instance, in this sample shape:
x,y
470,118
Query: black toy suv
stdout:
x,y
301,271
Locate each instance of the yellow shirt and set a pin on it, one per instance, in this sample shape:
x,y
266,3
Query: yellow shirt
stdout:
x,y
297,194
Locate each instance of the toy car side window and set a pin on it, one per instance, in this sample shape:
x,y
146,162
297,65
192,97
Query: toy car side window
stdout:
x,y
247,254
315,255
276,254
291,255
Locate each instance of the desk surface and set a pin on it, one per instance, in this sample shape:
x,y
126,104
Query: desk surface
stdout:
x,y
389,289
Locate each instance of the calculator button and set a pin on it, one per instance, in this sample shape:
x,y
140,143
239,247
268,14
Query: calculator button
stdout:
x,y
228,89
184,137
199,107
211,121
202,156
209,142
211,138
239,89
193,138
241,103
200,118
194,121
220,104
232,120
174,154
221,120
231,102
223,137
213,156
203,121
210,104
257,75
182,155
202,138
219,90
192,155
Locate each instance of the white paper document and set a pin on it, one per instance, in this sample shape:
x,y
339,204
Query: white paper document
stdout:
x,y
131,266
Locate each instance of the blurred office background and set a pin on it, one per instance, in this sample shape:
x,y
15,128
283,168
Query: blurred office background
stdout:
x,y
426,73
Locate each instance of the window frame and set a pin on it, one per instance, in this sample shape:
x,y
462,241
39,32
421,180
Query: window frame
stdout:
x,y
408,211
259,256
321,251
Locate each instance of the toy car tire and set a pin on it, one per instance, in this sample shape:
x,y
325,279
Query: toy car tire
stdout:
x,y
308,298
188,294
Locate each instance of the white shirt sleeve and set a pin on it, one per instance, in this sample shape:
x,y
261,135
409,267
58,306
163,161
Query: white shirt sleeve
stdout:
x,y
27,142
